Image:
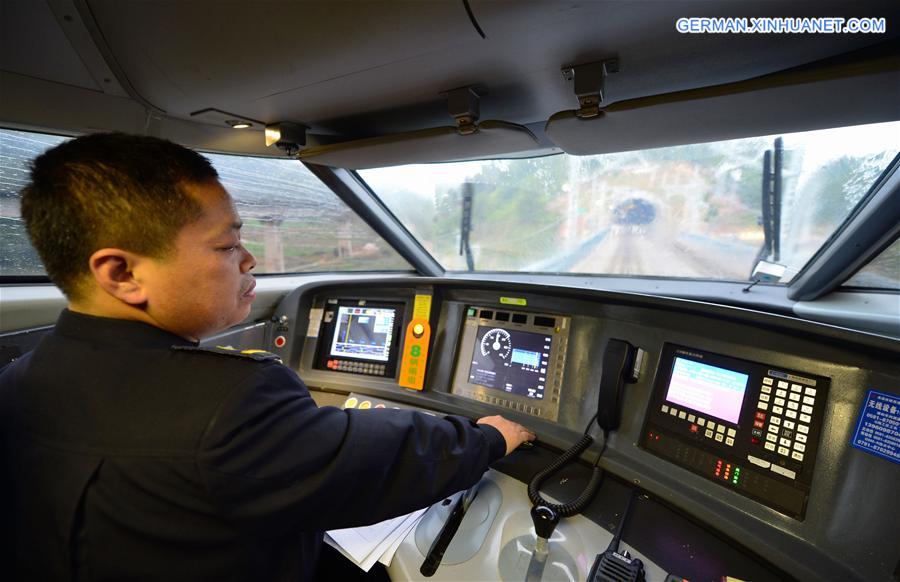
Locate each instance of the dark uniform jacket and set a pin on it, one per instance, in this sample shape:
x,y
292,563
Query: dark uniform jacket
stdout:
x,y
130,454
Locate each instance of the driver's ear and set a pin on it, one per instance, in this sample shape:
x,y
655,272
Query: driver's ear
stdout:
x,y
114,271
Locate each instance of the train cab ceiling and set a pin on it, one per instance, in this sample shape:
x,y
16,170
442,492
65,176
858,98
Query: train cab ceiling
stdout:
x,y
555,145
349,71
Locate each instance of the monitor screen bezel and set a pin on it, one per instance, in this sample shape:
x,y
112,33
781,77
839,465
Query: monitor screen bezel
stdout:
x,y
328,328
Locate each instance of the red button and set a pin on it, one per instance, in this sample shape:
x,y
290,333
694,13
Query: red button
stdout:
x,y
758,424
694,428
761,415
280,341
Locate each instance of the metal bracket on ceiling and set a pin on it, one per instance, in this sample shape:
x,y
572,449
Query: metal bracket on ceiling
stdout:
x,y
590,84
462,104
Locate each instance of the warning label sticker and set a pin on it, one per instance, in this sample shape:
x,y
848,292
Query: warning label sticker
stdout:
x,y
878,429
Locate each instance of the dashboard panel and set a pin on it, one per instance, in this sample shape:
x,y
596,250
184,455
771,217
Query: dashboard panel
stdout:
x,y
725,365
733,478
714,498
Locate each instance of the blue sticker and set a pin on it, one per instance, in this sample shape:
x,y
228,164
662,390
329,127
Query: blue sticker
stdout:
x,y
878,430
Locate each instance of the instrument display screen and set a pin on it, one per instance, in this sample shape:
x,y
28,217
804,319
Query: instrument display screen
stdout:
x,y
511,360
364,333
712,390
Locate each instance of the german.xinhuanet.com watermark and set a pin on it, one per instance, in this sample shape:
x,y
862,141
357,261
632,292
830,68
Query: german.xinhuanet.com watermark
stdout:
x,y
817,25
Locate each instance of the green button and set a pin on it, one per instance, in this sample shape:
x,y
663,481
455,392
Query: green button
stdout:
x,y
416,351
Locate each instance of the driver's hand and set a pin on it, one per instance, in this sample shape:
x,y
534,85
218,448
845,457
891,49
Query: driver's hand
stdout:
x,y
514,433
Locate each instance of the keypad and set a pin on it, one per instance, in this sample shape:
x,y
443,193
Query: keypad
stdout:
x,y
787,421
710,429
511,404
357,367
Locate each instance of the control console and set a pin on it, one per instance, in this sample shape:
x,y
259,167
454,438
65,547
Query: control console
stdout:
x,y
512,359
745,425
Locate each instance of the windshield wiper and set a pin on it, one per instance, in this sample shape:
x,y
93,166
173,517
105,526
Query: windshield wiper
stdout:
x,y
766,267
773,161
468,191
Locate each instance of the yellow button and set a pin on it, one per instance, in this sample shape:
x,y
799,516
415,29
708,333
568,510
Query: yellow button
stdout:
x,y
418,330
351,402
365,405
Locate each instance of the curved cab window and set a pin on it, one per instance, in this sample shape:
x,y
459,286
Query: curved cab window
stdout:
x,y
17,148
692,211
882,272
292,222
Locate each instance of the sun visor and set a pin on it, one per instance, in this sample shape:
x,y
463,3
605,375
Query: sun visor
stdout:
x,y
780,103
438,144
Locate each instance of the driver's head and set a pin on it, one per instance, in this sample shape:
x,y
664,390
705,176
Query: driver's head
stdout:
x,y
139,228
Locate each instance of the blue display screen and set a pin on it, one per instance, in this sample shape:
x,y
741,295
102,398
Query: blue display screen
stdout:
x,y
526,358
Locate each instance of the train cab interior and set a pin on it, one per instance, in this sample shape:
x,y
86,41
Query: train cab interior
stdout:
x,y
664,242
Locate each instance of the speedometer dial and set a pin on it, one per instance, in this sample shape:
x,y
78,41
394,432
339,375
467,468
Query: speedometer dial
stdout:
x,y
496,344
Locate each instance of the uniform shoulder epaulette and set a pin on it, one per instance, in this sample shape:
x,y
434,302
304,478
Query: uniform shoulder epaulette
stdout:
x,y
257,355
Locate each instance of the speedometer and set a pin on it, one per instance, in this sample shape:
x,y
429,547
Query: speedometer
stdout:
x,y
496,344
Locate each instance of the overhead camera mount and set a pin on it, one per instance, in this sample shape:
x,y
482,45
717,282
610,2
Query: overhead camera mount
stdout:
x,y
287,136
463,106
590,84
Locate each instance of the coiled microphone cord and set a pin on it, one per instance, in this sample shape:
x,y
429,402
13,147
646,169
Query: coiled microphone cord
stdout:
x,y
579,503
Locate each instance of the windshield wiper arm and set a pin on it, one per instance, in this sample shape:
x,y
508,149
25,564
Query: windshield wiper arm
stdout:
x,y
773,162
465,228
778,165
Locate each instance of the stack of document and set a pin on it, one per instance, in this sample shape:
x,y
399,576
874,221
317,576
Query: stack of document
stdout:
x,y
373,543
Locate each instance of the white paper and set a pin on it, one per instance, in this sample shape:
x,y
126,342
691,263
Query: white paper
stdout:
x,y
388,554
315,321
398,533
366,545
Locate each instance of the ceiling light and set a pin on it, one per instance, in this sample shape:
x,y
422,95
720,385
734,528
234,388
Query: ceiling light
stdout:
x,y
286,136
238,123
273,134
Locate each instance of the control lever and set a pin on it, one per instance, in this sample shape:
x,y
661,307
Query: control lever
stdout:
x,y
545,522
619,368
445,536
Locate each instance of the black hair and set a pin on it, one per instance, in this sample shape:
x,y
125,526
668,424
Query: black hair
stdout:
x,y
109,190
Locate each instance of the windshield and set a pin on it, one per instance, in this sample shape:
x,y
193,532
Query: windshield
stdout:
x,y
711,211
292,222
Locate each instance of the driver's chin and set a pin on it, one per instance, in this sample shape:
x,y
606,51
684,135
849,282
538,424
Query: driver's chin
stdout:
x,y
241,311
